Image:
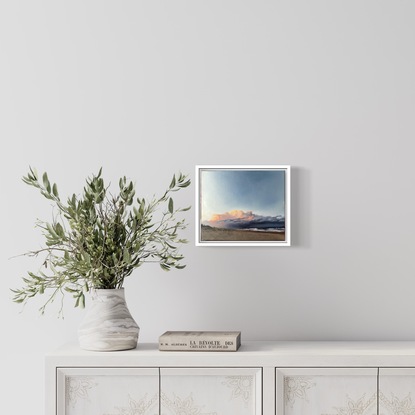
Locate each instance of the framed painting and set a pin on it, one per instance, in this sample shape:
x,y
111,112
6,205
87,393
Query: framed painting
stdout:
x,y
243,205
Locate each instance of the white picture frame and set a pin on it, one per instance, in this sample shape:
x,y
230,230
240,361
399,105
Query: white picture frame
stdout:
x,y
243,205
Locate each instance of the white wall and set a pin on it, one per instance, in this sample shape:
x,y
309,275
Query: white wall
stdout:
x,y
148,88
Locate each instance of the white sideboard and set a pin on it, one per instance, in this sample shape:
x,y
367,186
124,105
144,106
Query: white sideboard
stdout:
x,y
262,378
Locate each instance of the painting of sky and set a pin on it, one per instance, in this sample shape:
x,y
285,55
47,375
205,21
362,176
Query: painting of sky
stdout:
x,y
244,199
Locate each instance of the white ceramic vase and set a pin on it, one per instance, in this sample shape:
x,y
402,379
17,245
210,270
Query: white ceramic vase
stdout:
x,y
108,324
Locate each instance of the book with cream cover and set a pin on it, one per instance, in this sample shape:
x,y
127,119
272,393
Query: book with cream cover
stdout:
x,y
222,341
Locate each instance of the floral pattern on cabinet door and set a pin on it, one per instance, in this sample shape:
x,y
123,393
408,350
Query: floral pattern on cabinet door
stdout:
x,y
111,395
295,387
397,389
78,401
361,406
210,392
131,394
177,406
183,406
330,395
396,406
78,388
143,406
241,386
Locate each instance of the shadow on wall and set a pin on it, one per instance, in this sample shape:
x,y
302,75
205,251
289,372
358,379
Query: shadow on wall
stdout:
x,y
300,207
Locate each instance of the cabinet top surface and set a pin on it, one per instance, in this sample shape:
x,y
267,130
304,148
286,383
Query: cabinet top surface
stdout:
x,y
267,348
251,353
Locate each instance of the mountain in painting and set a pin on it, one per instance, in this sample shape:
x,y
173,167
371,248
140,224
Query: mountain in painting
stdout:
x,y
246,220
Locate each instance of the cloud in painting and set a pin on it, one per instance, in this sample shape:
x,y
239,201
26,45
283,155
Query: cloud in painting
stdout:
x,y
233,214
239,219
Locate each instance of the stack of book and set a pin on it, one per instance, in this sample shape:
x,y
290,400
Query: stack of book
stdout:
x,y
205,341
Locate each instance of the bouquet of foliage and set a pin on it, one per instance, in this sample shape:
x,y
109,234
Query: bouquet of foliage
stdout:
x,y
97,239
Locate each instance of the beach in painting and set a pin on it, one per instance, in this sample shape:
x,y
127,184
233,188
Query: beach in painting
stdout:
x,y
242,205
209,233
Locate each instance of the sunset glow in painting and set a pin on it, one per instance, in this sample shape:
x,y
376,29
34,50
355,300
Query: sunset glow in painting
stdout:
x,y
240,205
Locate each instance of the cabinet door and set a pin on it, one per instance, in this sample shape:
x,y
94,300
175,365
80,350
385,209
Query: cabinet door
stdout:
x,y
333,391
397,391
107,391
211,391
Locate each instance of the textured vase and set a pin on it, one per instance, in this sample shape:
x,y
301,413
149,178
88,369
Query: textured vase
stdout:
x,y
108,324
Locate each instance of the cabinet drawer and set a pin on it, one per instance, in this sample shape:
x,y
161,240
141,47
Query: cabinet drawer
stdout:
x,y
331,391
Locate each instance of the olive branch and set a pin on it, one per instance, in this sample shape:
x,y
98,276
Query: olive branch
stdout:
x,y
97,239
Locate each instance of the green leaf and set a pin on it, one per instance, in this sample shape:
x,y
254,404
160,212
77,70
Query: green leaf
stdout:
x,y
46,181
55,190
173,182
33,171
126,256
46,194
170,246
82,300
59,230
171,205
185,184
52,231
180,266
